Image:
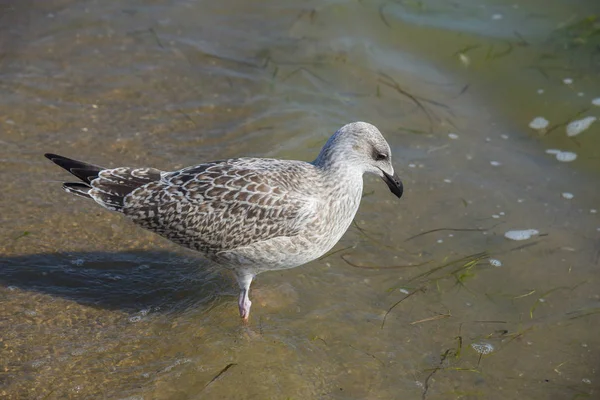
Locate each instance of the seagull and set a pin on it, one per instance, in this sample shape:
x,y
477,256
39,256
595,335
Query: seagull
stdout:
x,y
249,215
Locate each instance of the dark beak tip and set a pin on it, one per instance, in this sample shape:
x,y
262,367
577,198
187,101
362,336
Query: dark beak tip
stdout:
x,y
394,183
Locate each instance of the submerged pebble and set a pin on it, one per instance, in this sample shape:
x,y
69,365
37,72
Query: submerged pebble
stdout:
x,y
576,127
521,234
495,263
482,347
539,123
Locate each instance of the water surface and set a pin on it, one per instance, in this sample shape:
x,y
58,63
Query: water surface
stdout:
x,y
409,302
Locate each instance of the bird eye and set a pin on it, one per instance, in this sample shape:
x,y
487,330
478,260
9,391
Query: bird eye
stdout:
x,y
381,157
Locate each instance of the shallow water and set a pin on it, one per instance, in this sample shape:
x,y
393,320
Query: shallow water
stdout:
x,y
93,307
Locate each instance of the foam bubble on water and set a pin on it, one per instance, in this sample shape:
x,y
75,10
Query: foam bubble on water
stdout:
x,y
482,347
464,59
596,101
566,156
580,94
495,263
404,291
411,165
567,81
497,17
576,127
503,136
495,216
495,163
447,181
12,288
453,136
568,195
521,234
586,381
539,123
593,211
78,262
552,151
501,213
540,91
440,240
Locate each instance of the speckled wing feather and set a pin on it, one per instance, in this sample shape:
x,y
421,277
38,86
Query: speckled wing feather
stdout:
x,y
223,205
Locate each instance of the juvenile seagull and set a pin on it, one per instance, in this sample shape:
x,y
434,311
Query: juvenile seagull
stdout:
x,y
250,215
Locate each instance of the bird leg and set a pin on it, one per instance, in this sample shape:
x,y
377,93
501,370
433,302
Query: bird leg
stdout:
x,y
244,302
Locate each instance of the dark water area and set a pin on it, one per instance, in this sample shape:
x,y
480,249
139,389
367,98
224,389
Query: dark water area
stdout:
x,y
426,297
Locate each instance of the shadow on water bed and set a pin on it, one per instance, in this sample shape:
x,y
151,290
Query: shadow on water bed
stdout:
x,y
127,281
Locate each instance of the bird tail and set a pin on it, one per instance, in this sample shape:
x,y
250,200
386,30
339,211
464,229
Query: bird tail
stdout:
x,y
108,187
84,171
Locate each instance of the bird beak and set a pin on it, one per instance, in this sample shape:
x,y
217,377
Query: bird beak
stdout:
x,y
394,183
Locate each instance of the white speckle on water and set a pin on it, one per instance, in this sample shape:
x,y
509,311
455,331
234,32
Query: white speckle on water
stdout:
x,y
503,136
567,81
540,91
134,319
78,262
576,127
404,291
94,105
539,123
520,200
450,235
487,139
497,17
453,136
464,59
580,94
447,181
567,195
552,151
411,165
501,213
84,129
593,211
495,263
596,101
521,234
469,157
495,216
566,156
440,240
12,288
482,347
587,381
542,300
495,163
